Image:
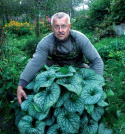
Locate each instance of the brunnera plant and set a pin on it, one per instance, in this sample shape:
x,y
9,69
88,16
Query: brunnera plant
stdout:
x,y
65,100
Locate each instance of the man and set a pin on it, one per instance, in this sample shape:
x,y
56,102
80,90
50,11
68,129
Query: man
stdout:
x,y
65,46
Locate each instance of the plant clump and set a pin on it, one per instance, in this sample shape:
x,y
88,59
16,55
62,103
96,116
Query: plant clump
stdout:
x,y
64,102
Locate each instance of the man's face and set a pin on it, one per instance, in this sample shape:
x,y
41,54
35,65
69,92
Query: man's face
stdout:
x,y
61,28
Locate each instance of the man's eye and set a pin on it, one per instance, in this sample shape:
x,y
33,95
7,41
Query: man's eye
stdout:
x,y
57,27
63,26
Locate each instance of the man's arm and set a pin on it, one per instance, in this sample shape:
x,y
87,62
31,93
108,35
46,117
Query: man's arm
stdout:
x,y
95,61
32,68
89,51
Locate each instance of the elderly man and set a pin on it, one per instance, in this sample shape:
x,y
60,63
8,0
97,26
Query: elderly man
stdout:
x,y
65,47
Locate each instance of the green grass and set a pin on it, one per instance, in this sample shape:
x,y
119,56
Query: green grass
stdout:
x,y
112,51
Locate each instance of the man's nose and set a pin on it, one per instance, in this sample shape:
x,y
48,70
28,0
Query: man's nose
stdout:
x,y
60,28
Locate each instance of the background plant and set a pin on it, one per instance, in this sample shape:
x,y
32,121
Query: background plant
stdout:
x,y
44,24
20,29
12,61
118,11
112,51
98,10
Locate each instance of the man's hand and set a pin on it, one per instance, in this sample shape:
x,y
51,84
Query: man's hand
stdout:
x,y
20,94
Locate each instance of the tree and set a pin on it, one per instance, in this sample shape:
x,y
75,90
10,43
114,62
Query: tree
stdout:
x,y
118,11
99,9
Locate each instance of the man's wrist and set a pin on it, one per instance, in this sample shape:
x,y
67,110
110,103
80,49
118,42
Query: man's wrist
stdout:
x,y
22,83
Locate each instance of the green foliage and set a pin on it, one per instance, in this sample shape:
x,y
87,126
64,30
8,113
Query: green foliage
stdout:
x,y
95,17
105,28
118,11
82,22
113,50
30,46
45,25
62,102
25,125
11,64
98,10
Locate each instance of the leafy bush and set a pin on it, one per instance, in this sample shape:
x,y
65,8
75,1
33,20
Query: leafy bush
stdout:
x,y
30,46
12,62
82,22
112,51
105,28
118,11
45,25
89,20
98,10
65,100
20,29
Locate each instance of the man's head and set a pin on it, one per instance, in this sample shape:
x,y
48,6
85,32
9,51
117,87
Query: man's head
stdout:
x,y
60,23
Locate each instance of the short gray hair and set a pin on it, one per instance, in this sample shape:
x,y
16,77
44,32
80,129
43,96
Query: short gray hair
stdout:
x,y
60,15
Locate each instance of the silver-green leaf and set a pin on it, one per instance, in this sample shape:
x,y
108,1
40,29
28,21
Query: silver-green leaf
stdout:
x,y
97,113
62,99
90,77
89,108
59,110
73,84
69,122
46,98
31,85
91,94
25,124
25,104
89,128
36,113
55,129
44,79
74,103
62,75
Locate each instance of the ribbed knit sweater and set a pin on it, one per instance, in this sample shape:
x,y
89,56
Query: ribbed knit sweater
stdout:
x,y
45,49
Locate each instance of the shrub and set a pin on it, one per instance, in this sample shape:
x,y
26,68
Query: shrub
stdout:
x,y
114,50
118,11
64,101
45,24
20,29
98,10
105,28
30,46
82,22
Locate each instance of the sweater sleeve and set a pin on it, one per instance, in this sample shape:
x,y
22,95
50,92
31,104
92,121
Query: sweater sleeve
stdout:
x,y
95,61
36,63
89,51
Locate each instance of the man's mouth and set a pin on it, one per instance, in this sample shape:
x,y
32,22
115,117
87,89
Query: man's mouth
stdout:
x,y
61,34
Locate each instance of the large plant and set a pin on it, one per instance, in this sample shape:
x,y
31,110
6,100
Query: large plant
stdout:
x,y
65,100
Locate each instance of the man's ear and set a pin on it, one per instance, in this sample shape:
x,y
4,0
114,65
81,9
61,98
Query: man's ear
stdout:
x,y
70,25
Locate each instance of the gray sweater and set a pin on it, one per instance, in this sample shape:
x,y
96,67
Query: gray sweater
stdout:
x,y
45,49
